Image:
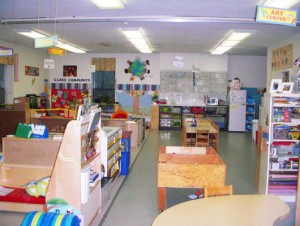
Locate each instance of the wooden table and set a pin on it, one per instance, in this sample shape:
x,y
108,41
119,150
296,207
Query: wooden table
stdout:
x,y
188,167
246,210
202,124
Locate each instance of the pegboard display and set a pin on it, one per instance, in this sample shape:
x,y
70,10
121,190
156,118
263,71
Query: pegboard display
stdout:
x,y
183,82
31,152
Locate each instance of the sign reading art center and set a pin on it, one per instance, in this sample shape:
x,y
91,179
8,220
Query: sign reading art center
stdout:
x,y
277,16
56,51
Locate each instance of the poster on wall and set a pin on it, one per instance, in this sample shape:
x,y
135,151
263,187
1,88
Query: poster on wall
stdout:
x,y
282,58
137,68
32,71
49,64
70,71
66,97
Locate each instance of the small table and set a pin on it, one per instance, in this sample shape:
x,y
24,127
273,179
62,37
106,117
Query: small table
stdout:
x,y
202,124
246,210
188,167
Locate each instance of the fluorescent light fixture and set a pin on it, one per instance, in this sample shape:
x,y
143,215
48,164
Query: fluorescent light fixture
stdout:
x,y
63,45
137,39
109,4
69,47
232,40
32,34
282,4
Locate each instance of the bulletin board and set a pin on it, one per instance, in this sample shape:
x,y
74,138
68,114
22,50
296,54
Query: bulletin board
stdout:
x,y
68,95
282,58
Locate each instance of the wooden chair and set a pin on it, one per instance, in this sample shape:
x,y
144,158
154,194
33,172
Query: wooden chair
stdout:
x,y
188,139
202,138
214,139
208,119
218,191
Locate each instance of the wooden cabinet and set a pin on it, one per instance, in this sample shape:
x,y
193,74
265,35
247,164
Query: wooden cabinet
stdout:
x,y
133,127
154,116
111,150
279,159
9,119
53,124
141,123
136,126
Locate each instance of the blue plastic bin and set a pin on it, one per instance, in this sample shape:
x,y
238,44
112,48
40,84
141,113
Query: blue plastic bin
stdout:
x,y
125,157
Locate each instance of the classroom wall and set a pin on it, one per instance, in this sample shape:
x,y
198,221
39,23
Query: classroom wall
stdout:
x,y
244,66
205,62
251,70
27,57
83,60
295,40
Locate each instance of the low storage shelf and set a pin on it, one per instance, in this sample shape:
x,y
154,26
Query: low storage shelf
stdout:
x,y
26,160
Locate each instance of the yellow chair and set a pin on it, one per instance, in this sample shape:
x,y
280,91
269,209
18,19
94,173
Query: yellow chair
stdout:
x,y
188,139
218,191
202,138
214,138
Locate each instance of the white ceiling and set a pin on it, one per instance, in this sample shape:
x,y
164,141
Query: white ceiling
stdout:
x,y
81,23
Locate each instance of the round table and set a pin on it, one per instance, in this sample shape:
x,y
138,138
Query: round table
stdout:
x,y
225,210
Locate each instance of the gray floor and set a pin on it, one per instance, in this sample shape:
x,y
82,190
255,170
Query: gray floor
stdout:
x,y
136,202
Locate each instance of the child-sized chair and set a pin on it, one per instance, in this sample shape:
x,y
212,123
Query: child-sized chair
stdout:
x,y
218,191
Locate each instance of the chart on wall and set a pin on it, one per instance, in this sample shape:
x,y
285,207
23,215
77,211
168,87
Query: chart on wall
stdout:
x,y
189,82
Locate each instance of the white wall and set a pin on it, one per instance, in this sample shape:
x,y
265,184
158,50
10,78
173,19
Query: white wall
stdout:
x,y
206,62
83,60
245,66
295,40
252,70
28,57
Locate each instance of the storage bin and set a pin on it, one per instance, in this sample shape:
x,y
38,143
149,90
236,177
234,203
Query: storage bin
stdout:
x,y
125,159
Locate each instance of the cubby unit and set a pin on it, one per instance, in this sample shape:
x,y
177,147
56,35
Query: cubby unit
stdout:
x,y
111,151
250,113
280,147
170,117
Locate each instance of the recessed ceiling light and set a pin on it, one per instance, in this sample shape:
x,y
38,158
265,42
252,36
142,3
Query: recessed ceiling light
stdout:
x,y
109,4
32,34
137,39
283,4
63,45
233,39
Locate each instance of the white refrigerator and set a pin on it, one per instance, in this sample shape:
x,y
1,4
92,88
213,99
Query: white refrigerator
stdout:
x,y
237,110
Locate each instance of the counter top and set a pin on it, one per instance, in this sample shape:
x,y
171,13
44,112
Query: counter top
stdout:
x,y
180,105
189,105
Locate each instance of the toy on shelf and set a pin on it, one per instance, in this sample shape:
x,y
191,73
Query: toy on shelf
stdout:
x,y
120,114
